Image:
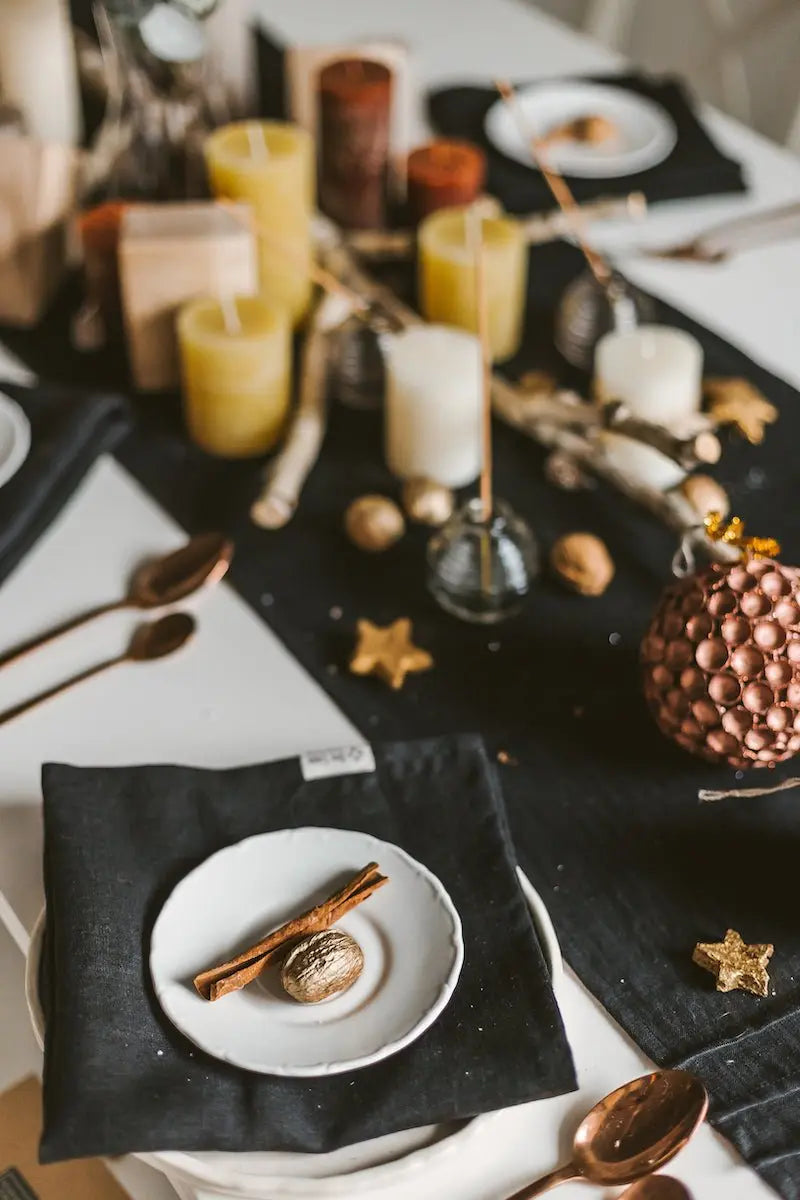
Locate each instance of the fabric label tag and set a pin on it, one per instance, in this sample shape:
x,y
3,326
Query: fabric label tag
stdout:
x,y
346,760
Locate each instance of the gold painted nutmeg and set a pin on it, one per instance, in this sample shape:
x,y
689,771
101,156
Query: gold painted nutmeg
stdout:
x,y
322,966
705,495
583,563
374,523
428,502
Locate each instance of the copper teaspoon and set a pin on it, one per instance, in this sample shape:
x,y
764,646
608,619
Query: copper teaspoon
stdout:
x,y
632,1132
155,640
657,1187
158,583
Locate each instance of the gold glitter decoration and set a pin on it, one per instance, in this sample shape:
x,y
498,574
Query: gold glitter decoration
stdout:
x,y
733,534
738,403
388,652
736,965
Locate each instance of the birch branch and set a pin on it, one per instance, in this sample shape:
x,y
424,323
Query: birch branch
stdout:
x,y
290,468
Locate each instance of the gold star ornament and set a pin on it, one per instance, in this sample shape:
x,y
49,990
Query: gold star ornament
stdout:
x,y
736,402
735,964
388,652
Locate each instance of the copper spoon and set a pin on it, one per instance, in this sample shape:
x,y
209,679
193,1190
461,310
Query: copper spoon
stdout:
x,y
155,640
656,1187
157,583
632,1132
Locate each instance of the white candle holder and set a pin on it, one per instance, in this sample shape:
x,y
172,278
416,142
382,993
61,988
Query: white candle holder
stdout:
x,y
480,569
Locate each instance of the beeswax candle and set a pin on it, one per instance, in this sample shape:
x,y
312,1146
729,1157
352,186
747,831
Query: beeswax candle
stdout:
x,y
270,166
236,371
447,275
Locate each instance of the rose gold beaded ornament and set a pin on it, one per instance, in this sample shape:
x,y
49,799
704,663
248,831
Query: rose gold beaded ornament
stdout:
x,y
721,658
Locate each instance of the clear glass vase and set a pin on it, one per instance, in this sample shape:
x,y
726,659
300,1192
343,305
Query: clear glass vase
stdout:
x,y
480,569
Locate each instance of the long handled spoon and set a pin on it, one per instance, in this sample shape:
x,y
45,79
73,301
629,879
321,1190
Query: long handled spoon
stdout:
x,y
158,583
155,640
631,1133
657,1187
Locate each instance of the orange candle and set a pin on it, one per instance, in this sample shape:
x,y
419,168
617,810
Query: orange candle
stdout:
x,y
444,174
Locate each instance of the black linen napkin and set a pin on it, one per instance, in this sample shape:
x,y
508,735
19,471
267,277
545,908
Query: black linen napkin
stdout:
x,y
696,167
69,430
118,1077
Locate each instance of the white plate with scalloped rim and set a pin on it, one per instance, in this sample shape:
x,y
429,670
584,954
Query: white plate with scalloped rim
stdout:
x,y
645,132
409,931
364,1167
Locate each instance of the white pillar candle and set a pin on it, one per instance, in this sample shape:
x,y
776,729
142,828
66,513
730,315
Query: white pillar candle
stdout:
x,y
655,370
37,67
433,404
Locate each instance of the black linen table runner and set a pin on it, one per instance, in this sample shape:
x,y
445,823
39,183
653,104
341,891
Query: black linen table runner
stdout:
x,y
558,691
119,1078
695,167
531,687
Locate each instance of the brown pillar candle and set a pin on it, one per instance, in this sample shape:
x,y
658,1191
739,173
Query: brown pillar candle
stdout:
x,y
354,109
444,174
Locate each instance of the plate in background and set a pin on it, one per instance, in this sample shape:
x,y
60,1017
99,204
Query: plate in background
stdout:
x,y
646,132
15,437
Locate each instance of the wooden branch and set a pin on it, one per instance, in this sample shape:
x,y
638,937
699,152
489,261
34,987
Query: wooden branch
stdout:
x,y
560,421
386,245
290,468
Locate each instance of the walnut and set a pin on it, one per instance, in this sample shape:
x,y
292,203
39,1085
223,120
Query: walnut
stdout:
x,y
583,563
374,523
427,502
322,966
705,495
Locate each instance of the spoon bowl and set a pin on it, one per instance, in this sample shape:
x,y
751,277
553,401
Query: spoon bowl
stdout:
x,y
657,1187
631,1133
638,1128
160,638
162,581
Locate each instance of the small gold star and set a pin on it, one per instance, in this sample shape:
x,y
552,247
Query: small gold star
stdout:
x,y
736,402
388,651
735,964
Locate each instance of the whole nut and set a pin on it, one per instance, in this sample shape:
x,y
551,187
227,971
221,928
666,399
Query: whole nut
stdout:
x,y
374,523
705,495
428,502
583,563
322,966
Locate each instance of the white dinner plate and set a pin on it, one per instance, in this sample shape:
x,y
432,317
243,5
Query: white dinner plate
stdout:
x,y
15,437
383,1161
646,132
409,931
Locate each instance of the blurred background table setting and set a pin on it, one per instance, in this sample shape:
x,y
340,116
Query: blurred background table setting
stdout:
x,y
401,401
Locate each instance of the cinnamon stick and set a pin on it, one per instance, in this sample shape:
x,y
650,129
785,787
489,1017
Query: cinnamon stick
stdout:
x,y
237,972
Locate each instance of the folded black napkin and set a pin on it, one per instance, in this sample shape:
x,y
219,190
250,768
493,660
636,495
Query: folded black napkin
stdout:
x,y
68,431
118,1077
696,167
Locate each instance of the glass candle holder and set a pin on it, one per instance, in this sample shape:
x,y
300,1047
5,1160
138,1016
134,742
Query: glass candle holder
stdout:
x,y
480,569
588,310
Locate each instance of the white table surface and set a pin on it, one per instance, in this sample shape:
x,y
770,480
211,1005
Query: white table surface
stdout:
x,y
236,695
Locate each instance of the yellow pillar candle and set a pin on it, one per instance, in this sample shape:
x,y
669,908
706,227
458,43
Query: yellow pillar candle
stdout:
x,y
270,166
447,276
236,371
